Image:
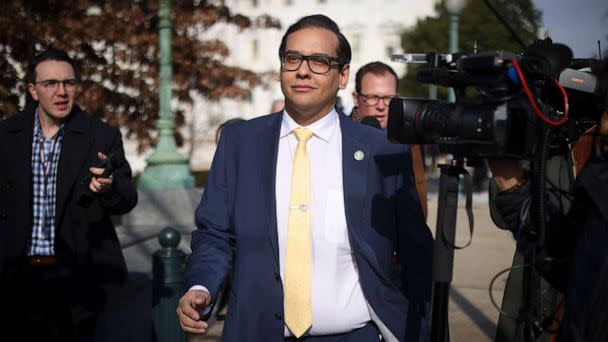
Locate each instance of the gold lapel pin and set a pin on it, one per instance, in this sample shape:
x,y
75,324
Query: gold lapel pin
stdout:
x,y
359,155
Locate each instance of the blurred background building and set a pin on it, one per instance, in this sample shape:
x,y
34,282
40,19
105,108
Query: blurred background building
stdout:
x,y
373,28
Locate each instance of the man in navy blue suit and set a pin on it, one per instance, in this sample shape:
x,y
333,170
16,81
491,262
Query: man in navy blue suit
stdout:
x,y
308,206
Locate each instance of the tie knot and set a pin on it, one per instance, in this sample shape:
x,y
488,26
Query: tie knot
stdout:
x,y
302,134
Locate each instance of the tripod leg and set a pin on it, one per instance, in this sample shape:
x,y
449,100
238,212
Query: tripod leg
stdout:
x,y
443,259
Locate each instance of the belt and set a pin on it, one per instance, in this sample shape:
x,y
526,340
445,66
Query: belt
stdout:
x,y
363,333
41,260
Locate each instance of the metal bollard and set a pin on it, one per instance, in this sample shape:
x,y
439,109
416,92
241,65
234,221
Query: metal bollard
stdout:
x,y
168,270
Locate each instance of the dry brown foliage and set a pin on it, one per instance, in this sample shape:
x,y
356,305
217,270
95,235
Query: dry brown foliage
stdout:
x,y
115,43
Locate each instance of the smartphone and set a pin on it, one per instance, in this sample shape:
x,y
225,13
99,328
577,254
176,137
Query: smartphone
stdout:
x,y
109,164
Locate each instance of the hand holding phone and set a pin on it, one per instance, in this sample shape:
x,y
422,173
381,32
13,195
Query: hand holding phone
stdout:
x,y
102,164
101,174
99,179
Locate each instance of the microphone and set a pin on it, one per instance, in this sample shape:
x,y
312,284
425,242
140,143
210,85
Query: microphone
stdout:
x,y
371,121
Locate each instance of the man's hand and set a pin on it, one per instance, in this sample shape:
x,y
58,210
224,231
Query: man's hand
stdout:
x,y
507,173
98,184
188,311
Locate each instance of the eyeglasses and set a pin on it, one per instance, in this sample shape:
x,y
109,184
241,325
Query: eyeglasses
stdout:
x,y
319,64
372,100
53,85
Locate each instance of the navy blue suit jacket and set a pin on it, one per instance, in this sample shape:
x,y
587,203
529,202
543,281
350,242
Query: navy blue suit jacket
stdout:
x,y
237,227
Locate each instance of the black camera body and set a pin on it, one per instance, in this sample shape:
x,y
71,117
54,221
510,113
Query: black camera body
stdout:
x,y
485,130
501,122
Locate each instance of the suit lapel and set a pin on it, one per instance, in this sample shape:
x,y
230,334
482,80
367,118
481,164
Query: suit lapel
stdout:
x,y
74,147
356,155
269,145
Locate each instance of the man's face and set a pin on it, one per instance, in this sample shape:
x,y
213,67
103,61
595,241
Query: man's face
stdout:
x,y
376,91
309,96
54,89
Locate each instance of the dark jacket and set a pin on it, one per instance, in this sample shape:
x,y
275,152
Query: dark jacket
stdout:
x,y
583,239
576,244
85,239
524,283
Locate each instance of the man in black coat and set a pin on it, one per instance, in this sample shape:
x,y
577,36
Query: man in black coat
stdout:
x,y
59,252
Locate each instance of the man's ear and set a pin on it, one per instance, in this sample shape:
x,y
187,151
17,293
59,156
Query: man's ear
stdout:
x,y
344,76
32,89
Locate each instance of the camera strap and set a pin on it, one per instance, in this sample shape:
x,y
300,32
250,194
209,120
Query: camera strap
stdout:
x,y
467,184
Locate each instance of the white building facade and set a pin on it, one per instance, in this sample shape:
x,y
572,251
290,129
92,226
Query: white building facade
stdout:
x,y
372,27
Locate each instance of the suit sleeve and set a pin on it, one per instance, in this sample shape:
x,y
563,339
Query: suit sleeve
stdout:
x,y
213,240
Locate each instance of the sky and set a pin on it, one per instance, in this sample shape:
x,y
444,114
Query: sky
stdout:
x,y
576,23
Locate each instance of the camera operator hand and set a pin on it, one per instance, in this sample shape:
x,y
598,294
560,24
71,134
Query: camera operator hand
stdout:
x,y
507,173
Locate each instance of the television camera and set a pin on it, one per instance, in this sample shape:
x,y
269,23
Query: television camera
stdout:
x,y
526,105
519,96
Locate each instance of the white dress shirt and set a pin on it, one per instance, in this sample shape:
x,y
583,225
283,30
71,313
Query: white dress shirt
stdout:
x,y
338,304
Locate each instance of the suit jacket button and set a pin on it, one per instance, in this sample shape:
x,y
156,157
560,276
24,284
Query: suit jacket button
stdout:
x,y
278,316
3,217
277,277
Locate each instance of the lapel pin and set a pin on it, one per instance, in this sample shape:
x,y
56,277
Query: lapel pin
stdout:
x,y
359,155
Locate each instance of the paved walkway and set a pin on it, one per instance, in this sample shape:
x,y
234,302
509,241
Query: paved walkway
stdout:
x,y
471,314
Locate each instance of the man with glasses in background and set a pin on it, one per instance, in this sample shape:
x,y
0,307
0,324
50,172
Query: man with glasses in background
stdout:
x,y
59,253
308,207
376,84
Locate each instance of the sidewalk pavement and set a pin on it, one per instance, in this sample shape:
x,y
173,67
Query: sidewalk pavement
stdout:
x,y
472,316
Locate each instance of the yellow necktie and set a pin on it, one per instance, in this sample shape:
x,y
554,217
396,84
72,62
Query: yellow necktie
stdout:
x,y
298,266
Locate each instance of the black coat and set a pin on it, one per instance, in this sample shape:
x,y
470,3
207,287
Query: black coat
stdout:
x,y
576,247
585,317
85,238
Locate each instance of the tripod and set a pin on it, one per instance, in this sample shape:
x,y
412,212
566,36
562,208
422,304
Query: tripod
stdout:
x,y
443,258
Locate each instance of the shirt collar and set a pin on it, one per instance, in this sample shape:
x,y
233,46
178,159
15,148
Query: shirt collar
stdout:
x,y
323,128
38,129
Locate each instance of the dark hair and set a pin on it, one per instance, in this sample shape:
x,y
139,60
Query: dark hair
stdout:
x,y
218,132
320,21
377,68
50,54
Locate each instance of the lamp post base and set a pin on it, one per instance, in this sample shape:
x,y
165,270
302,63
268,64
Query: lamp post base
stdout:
x,y
166,176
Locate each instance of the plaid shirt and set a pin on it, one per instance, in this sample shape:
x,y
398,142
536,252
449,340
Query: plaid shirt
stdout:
x,y
45,157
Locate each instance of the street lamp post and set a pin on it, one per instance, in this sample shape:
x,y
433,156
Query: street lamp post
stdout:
x,y
432,92
167,168
454,7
